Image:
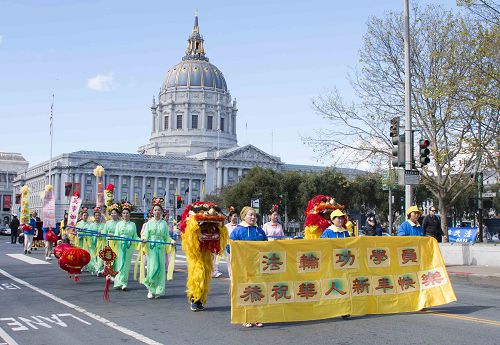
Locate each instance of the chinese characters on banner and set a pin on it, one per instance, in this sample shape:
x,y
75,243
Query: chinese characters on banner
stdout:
x,y
74,208
281,281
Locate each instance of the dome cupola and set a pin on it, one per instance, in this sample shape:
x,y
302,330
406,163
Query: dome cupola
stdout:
x,y
194,112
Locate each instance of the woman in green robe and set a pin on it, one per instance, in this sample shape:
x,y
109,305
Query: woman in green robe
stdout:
x,y
156,230
83,224
110,226
95,243
124,228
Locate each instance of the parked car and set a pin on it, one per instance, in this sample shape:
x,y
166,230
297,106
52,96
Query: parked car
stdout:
x,y
4,230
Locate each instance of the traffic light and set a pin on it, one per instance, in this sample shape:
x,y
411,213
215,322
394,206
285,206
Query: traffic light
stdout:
x,y
424,151
398,151
394,129
179,201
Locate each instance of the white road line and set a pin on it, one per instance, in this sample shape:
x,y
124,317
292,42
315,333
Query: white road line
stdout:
x,y
7,338
28,259
130,333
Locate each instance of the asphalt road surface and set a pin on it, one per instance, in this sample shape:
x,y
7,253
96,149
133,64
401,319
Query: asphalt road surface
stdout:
x,y
39,305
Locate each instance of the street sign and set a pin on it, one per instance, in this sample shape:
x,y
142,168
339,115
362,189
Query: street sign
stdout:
x,y
255,203
412,177
389,179
489,195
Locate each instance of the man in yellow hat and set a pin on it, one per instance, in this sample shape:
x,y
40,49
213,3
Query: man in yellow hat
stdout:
x,y
411,227
336,230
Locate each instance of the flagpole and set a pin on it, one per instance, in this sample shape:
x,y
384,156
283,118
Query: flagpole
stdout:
x,y
51,136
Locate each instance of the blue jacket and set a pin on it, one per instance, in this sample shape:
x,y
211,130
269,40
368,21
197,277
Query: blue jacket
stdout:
x,y
330,233
245,232
33,226
407,229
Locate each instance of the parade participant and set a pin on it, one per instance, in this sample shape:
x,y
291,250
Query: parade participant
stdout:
x,y
411,227
95,243
273,229
124,228
49,237
110,225
336,230
233,222
62,226
349,225
83,224
203,234
318,215
29,233
248,230
156,229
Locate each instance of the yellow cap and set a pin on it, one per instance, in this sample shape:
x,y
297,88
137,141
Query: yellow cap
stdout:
x,y
413,209
336,213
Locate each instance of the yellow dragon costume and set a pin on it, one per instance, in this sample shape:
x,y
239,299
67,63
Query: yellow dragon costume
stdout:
x,y
203,233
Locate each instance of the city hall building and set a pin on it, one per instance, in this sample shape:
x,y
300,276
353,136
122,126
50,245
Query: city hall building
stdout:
x,y
193,149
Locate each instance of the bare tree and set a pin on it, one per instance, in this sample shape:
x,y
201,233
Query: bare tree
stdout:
x,y
454,103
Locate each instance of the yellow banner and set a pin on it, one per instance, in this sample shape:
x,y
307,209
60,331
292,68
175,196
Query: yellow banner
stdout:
x,y
298,280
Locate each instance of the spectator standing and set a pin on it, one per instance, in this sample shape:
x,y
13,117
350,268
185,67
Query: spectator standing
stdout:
x,y
411,227
14,224
431,226
372,228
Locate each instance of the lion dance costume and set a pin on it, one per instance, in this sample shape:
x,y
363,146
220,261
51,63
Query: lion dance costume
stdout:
x,y
203,233
317,214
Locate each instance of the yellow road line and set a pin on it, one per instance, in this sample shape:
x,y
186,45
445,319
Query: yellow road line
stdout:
x,y
465,318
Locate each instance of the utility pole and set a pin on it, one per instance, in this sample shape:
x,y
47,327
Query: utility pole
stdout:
x,y
408,133
480,206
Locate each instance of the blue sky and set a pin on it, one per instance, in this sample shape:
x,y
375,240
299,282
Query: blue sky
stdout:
x,y
104,61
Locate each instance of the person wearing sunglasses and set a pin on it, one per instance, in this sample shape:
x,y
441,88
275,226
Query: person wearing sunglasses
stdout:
x,y
432,225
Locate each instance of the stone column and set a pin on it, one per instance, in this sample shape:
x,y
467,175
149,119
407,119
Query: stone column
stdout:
x,y
144,202
219,178
167,190
57,186
190,185
226,177
155,186
82,186
131,190
119,189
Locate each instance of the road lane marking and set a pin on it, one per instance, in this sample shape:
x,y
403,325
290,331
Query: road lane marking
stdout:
x,y
465,318
7,338
130,333
28,259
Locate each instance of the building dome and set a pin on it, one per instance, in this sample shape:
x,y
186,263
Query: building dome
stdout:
x,y
195,74
195,112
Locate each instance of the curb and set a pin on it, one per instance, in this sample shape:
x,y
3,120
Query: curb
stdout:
x,y
474,278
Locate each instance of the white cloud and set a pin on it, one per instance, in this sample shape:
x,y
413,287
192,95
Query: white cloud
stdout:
x,y
1,39
102,82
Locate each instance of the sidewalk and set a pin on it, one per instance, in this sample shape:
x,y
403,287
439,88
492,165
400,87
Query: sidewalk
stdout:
x,y
483,275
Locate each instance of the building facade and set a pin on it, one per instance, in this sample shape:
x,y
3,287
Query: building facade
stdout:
x,y
11,164
192,151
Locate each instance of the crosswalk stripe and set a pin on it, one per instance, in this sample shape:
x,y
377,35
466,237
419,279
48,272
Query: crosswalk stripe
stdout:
x,y
28,259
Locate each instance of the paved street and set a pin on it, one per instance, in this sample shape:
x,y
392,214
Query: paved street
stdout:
x,y
40,305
